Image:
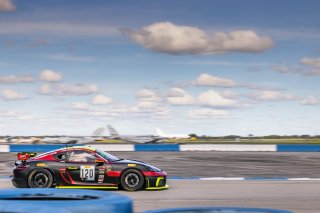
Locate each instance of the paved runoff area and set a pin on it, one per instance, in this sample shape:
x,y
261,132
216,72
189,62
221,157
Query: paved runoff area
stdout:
x,y
296,196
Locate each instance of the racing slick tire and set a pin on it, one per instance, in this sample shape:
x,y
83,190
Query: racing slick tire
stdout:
x,y
132,180
40,178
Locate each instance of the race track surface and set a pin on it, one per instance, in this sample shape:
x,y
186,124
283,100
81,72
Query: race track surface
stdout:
x,y
297,196
218,164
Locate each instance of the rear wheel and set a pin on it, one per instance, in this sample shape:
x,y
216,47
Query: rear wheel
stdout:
x,y
132,180
40,178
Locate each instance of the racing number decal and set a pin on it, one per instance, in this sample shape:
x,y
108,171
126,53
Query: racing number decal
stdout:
x,y
87,173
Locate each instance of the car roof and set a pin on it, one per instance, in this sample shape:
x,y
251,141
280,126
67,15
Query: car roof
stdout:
x,y
69,148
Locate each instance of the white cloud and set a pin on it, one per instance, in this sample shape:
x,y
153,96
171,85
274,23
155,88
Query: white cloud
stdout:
x,y
80,106
215,99
162,113
206,80
148,95
313,62
169,38
68,90
50,76
313,65
206,113
45,89
15,115
311,100
284,68
13,79
6,6
67,57
150,104
78,89
12,95
178,96
144,107
101,100
271,95
229,94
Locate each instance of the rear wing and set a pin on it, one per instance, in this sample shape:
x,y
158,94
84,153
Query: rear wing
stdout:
x,y
23,156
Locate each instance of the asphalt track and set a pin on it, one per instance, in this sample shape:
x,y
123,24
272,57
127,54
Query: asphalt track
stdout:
x,y
218,164
297,196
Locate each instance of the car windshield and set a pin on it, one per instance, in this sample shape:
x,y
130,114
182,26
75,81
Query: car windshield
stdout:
x,y
106,155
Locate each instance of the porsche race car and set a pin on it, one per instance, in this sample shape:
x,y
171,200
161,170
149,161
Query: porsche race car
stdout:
x,y
85,167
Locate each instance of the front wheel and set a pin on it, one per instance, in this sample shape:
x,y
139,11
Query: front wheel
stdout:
x,y
132,180
40,178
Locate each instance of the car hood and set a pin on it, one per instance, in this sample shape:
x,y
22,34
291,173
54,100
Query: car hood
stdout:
x,y
126,161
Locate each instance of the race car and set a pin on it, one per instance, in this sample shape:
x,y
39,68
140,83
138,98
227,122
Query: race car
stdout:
x,y
85,167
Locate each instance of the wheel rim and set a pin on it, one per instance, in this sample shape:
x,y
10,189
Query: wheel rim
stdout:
x,y
132,180
40,180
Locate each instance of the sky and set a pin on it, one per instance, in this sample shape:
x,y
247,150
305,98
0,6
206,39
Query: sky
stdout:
x,y
209,67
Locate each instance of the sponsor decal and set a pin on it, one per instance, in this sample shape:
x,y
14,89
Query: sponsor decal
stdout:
x,y
41,164
100,178
72,167
87,173
132,165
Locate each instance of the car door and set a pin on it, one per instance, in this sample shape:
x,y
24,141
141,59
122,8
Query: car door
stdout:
x,y
83,168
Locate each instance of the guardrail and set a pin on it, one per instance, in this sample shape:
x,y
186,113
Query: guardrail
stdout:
x,y
170,147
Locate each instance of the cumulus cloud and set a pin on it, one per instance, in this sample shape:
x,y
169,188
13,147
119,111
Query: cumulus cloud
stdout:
x,y
101,100
229,94
215,99
80,106
78,89
68,90
11,114
177,96
207,80
50,76
6,6
169,38
13,79
148,95
286,68
313,65
144,107
310,100
271,95
162,113
211,98
206,113
12,95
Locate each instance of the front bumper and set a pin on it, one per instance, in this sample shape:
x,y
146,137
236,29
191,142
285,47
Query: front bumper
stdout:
x,y
156,183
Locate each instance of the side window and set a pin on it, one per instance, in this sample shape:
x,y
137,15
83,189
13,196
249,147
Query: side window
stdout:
x,y
81,156
61,156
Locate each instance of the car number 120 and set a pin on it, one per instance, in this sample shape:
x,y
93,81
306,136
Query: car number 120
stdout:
x,y
87,173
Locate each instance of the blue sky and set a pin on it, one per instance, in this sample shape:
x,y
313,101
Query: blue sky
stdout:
x,y
204,67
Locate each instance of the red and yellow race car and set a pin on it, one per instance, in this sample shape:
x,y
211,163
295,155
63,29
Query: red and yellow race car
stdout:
x,y
85,167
